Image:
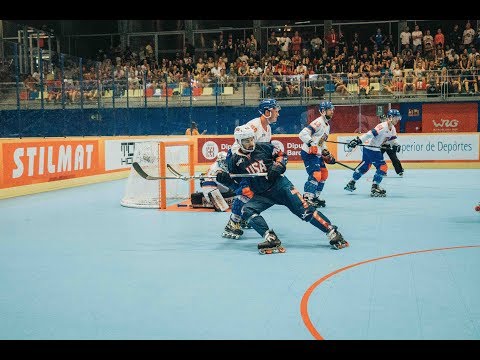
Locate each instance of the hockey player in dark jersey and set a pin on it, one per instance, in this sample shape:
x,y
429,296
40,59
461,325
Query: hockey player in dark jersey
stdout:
x,y
273,189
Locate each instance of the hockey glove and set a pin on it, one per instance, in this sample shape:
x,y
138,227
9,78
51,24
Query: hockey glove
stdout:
x,y
224,178
353,143
327,157
275,171
313,149
396,148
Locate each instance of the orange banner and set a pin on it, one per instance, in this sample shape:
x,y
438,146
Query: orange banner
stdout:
x,y
27,163
452,117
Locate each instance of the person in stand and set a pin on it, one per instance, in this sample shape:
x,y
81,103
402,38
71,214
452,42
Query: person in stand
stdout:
x,y
193,130
274,189
315,154
269,111
383,133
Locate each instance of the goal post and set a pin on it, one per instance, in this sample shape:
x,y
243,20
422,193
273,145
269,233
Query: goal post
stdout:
x,y
153,157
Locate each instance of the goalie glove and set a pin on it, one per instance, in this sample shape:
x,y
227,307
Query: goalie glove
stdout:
x,y
275,171
327,157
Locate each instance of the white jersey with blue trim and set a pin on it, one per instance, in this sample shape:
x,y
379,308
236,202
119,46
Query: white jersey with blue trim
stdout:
x,y
380,135
261,135
316,132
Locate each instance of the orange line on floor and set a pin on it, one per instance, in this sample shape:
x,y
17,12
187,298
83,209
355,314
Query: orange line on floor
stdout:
x,y
306,295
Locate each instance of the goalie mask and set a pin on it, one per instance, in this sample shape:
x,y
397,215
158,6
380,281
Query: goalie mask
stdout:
x,y
245,138
222,160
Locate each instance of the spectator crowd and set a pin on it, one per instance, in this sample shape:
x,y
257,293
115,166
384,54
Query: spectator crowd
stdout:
x,y
292,64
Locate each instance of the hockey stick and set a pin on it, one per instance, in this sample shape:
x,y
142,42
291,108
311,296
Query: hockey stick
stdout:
x,y
348,167
183,177
175,172
345,143
144,175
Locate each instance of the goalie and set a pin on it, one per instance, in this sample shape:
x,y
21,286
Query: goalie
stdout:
x,y
214,195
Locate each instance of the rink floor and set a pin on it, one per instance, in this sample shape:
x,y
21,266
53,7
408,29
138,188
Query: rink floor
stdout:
x,y
74,264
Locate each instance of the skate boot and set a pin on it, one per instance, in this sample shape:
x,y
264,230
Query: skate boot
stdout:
x,y
337,241
271,245
315,202
350,186
244,224
232,230
377,191
400,174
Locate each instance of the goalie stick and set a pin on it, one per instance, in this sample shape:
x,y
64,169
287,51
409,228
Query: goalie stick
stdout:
x,y
144,175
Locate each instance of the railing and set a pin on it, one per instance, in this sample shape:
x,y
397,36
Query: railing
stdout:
x,y
138,92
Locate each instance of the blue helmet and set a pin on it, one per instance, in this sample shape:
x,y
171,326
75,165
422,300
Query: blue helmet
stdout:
x,y
324,106
394,113
267,104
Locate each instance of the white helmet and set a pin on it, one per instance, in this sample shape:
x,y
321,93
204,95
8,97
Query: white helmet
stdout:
x,y
244,132
222,160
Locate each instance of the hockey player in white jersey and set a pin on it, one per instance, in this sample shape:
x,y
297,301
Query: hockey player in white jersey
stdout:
x,y
315,154
269,111
384,133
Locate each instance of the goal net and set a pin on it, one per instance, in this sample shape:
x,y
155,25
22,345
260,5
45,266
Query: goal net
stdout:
x,y
153,157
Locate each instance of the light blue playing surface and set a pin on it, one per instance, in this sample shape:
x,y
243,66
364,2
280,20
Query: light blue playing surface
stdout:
x,y
75,264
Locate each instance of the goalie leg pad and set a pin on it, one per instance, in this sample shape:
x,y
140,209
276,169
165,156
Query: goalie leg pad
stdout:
x,y
217,200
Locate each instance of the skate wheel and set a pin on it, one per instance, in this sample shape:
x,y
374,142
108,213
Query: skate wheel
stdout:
x,y
265,251
282,249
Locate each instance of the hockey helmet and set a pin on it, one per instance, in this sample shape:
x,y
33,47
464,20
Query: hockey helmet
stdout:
x,y
268,104
242,134
324,106
394,114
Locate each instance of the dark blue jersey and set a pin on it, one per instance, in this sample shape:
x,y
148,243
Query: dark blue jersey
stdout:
x,y
258,161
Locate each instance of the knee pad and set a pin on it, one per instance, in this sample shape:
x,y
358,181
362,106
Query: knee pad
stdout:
x,y
323,174
318,175
248,214
237,205
383,169
310,186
